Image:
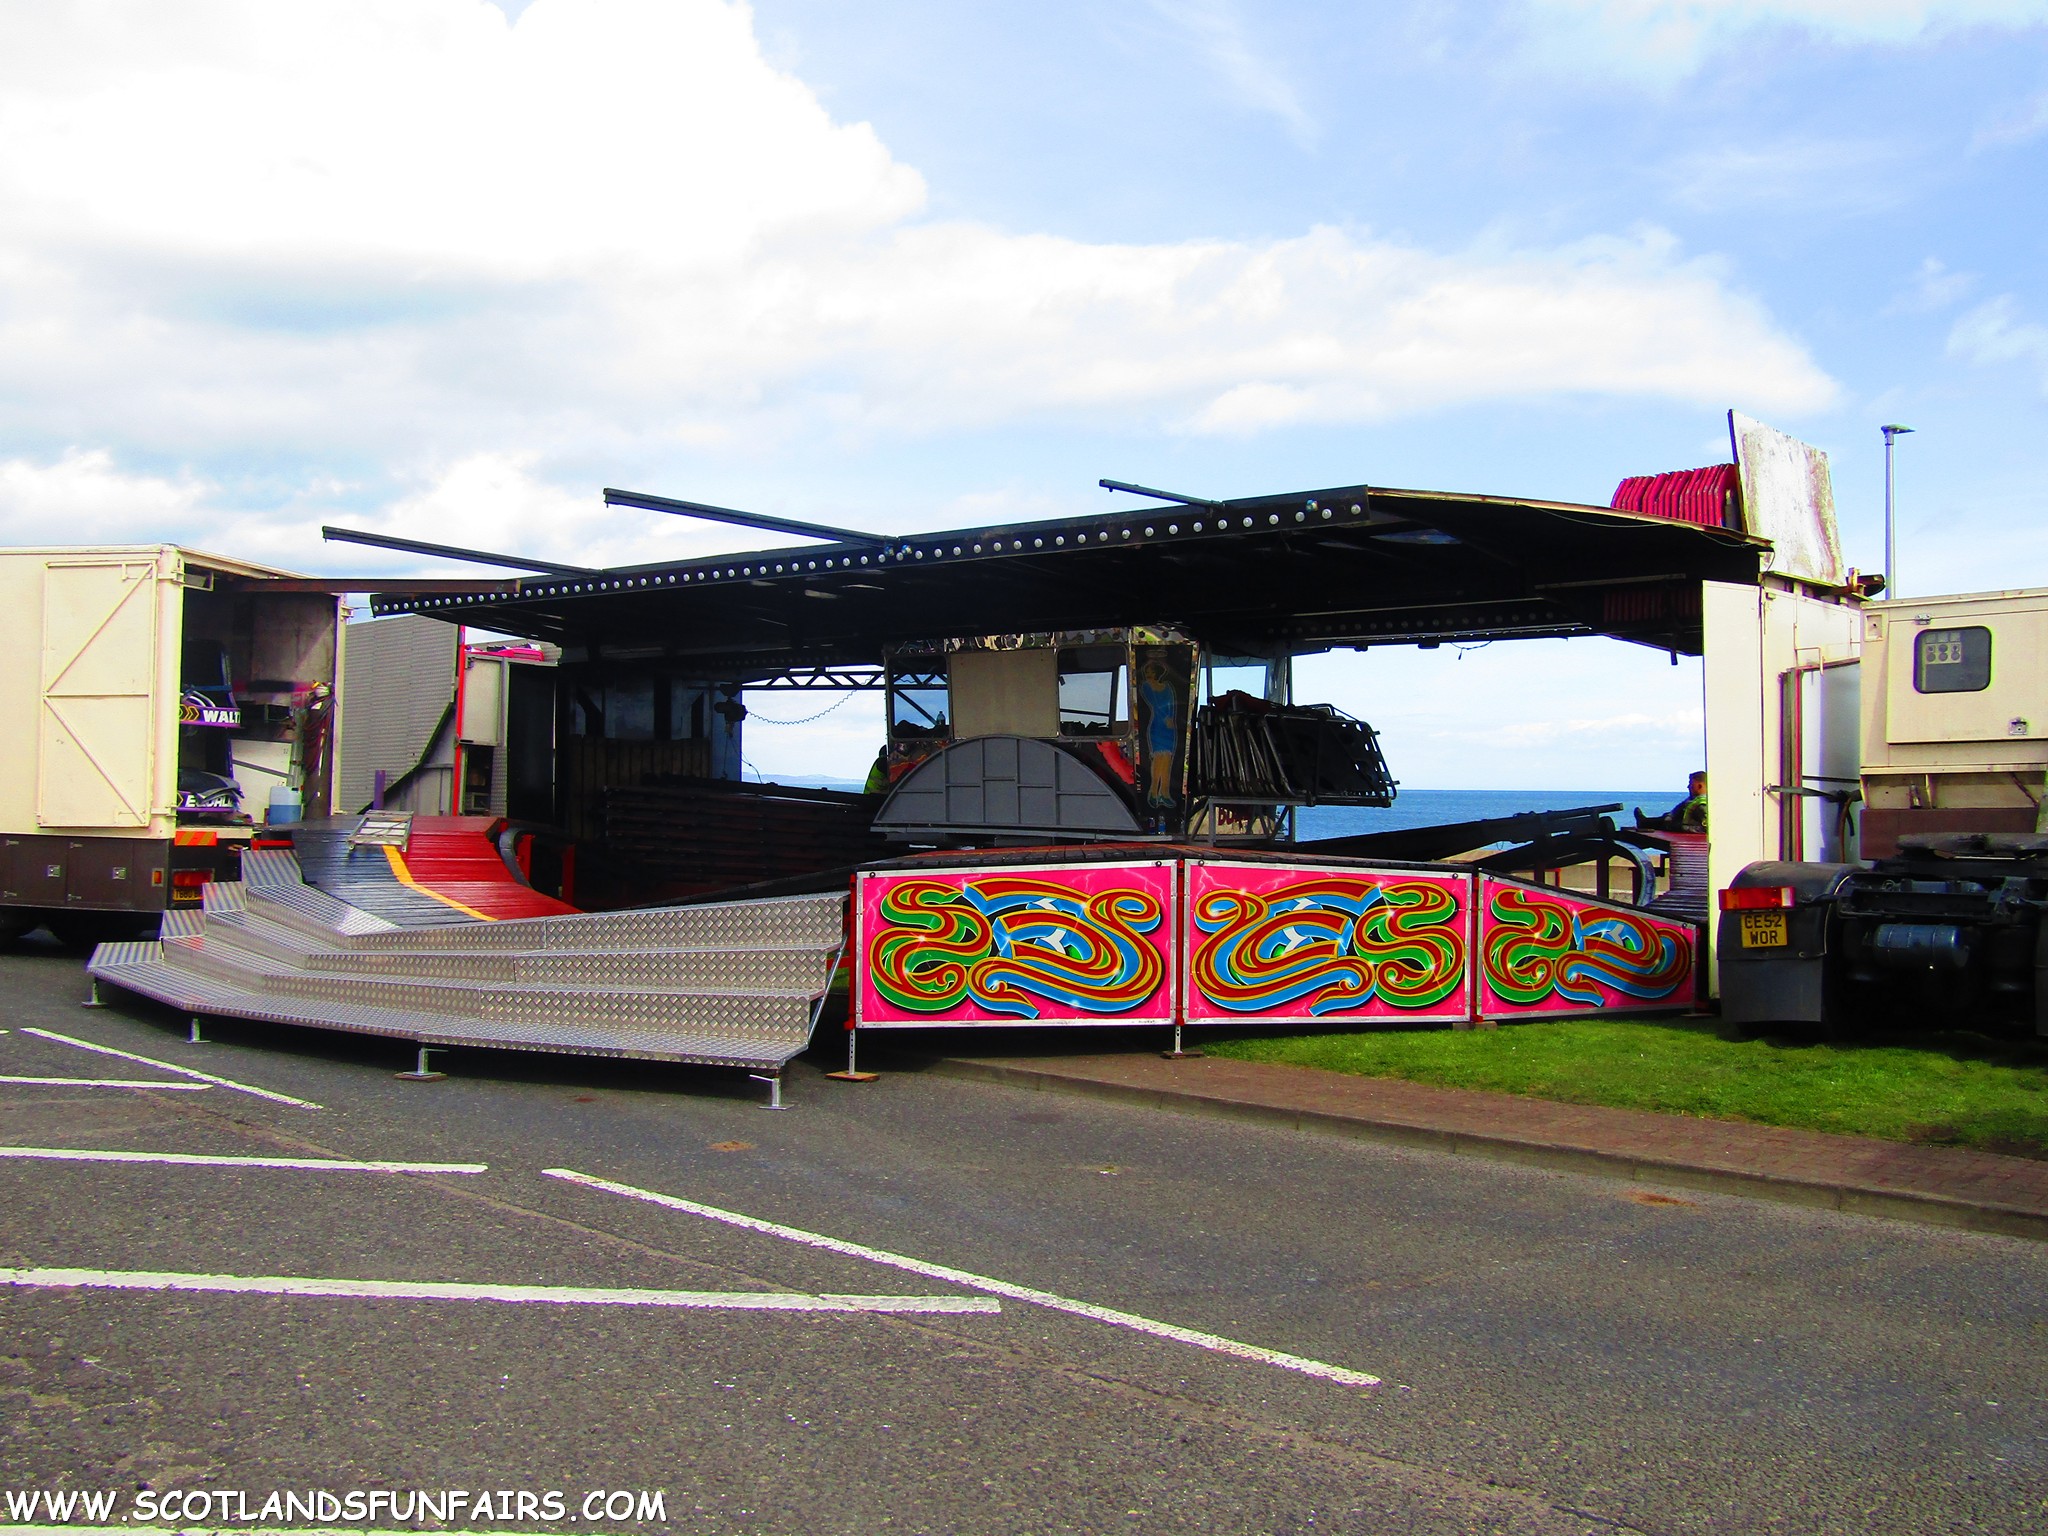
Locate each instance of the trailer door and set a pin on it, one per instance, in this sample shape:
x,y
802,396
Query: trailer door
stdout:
x,y
96,735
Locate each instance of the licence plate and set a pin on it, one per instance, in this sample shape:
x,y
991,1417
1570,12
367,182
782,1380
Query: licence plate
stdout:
x,y
1765,930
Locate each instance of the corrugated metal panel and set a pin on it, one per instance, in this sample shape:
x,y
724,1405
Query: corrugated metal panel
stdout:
x,y
397,682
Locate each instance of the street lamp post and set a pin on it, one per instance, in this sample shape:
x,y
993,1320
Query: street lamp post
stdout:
x,y
1891,559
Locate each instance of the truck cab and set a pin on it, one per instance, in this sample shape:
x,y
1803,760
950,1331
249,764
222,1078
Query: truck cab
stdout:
x,y
1941,921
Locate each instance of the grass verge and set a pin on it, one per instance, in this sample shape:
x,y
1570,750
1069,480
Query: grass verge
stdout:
x,y
1960,1089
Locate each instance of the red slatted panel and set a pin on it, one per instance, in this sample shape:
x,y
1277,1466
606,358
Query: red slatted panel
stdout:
x,y
1705,496
454,856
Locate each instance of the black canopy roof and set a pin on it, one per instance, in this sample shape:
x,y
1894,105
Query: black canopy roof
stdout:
x,y
1300,571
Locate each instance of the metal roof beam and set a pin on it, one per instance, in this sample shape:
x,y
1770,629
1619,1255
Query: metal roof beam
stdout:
x,y
761,520
426,586
452,552
1145,490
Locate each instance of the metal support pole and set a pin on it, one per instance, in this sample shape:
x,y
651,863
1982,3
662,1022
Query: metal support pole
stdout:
x,y
422,1073
1891,567
852,1074
196,1038
94,1000
774,1082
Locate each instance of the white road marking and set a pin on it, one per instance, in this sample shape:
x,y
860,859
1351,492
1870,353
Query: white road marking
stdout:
x,y
197,1160
550,1295
107,1082
82,1529
172,1066
1004,1288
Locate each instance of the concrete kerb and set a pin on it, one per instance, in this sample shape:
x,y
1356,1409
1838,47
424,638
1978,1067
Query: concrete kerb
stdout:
x,y
1928,1209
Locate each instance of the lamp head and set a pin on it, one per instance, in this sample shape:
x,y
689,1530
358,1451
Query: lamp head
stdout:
x,y
1894,430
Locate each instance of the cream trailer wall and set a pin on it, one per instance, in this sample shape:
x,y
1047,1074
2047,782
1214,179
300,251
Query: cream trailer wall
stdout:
x,y
1770,650
92,696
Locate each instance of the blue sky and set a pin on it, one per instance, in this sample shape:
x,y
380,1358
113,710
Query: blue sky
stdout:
x,y
446,268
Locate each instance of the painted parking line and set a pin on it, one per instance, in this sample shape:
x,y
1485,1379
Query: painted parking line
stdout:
x,y
545,1295
200,1160
1337,1373
233,1530
172,1066
106,1082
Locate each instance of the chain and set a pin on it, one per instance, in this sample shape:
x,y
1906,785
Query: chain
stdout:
x,y
806,720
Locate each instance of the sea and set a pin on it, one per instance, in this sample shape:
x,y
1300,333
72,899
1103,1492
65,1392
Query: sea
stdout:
x,y
1435,807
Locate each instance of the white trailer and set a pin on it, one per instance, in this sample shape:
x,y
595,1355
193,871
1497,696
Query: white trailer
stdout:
x,y
162,699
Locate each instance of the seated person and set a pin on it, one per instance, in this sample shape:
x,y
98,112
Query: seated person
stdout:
x,y
1689,815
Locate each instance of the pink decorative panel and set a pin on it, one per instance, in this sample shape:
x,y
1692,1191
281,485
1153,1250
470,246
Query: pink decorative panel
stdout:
x,y
1271,943
1028,944
1548,951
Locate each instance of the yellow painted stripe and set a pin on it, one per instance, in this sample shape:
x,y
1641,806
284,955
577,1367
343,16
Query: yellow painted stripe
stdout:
x,y
405,878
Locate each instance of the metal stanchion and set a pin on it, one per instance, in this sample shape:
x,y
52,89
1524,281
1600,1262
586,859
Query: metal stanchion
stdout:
x,y
422,1073
852,1074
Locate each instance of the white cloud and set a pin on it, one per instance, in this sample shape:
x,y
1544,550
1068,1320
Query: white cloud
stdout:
x,y
1845,176
1658,41
486,501
1934,287
1566,714
1628,726
2019,125
1217,28
1994,333
409,243
46,503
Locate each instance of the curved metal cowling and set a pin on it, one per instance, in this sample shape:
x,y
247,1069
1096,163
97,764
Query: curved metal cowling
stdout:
x,y
1006,784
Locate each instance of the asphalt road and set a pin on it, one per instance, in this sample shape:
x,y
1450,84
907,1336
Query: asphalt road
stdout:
x,y
1558,1354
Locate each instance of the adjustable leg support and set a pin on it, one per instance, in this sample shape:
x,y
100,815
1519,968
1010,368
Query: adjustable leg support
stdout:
x,y
94,1000
196,1038
853,1074
422,1073
774,1082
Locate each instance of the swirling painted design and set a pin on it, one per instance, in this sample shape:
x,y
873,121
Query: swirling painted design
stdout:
x,y
1012,943
1340,943
1537,948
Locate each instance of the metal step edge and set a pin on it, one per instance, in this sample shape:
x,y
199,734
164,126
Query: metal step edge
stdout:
x,y
775,970
315,912
287,979
249,934
662,927
154,979
617,953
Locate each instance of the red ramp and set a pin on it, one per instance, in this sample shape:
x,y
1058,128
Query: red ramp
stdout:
x,y
455,860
